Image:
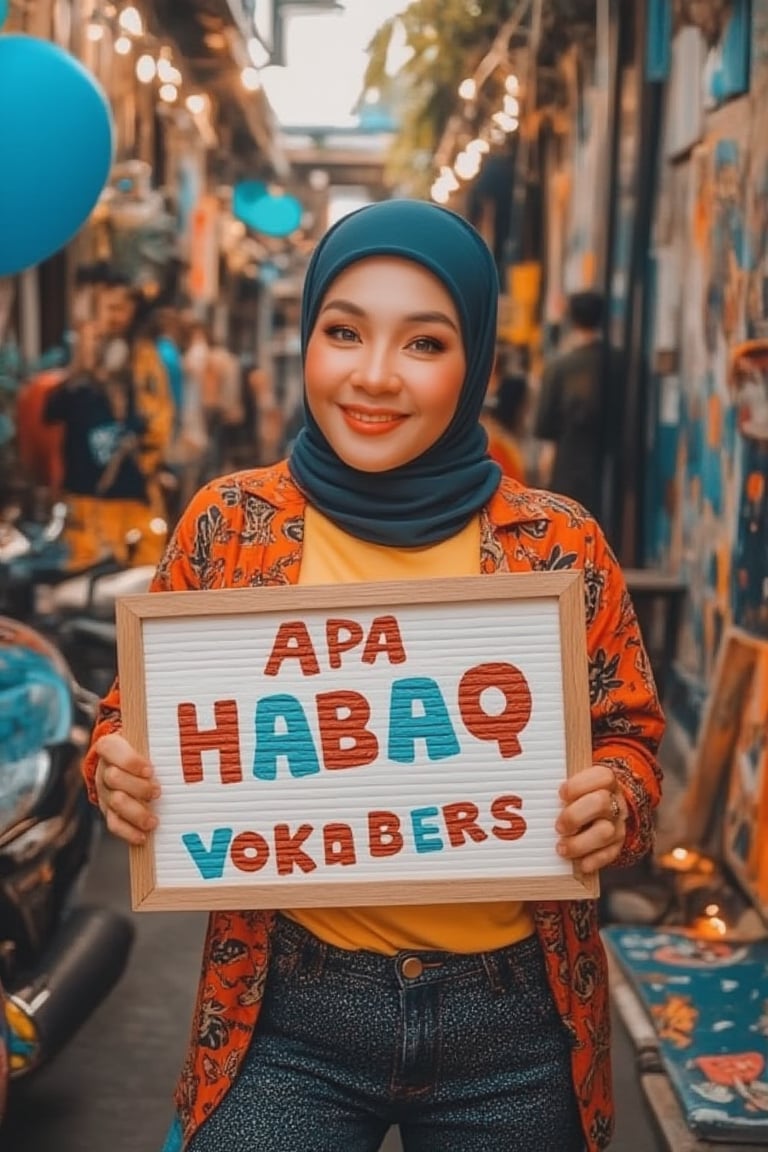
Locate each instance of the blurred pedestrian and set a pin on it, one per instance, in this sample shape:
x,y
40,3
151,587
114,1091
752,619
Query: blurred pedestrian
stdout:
x,y
503,417
110,511
311,1032
579,410
129,346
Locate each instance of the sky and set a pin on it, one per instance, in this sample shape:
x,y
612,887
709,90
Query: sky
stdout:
x,y
326,62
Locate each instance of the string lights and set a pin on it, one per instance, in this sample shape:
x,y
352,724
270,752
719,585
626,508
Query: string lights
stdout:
x,y
468,162
503,121
153,63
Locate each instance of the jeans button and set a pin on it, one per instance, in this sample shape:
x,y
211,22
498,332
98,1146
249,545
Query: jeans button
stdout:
x,y
411,967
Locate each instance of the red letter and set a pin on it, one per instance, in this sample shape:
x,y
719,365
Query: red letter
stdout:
x,y
249,852
505,725
500,810
337,646
223,737
293,642
360,745
384,835
339,844
461,821
384,636
289,851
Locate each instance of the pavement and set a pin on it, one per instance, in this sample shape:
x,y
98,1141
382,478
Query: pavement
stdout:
x,y
110,1090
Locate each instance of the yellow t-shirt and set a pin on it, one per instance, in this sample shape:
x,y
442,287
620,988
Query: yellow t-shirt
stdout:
x,y
331,556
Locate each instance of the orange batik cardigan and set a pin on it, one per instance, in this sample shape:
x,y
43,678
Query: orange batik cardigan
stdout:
x,y
246,530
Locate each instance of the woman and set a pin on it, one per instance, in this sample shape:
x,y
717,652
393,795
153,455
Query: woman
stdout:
x,y
314,1028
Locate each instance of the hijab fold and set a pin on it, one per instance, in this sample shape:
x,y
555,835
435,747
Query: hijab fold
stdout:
x,y
434,496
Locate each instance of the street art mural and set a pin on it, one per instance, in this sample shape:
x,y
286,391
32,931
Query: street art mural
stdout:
x,y
708,505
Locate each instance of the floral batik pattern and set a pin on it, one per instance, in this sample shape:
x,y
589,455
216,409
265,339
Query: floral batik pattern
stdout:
x,y
247,530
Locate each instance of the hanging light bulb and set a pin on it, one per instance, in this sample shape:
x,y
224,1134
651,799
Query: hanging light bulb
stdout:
x,y
250,79
123,45
512,84
130,21
504,122
146,69
478,146
94,31
448,178
511,106
165,70
169,93
196,103
466,165
468,89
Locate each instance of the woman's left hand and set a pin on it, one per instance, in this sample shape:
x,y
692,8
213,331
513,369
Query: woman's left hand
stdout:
x,y
593,823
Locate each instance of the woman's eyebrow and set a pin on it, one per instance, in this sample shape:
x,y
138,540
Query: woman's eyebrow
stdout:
x,y
343,306
411,318
431,318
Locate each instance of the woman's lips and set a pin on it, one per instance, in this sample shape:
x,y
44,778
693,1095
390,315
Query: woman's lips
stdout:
x,y
370,422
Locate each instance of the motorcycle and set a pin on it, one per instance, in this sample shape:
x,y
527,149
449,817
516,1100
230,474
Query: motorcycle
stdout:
x,y
59,958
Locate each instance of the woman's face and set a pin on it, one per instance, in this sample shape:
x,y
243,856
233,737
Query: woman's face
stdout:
x,y
385,363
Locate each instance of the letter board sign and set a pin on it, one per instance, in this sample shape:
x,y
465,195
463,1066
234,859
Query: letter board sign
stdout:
x,y
393,743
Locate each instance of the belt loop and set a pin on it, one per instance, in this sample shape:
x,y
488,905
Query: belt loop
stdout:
x,y
493,972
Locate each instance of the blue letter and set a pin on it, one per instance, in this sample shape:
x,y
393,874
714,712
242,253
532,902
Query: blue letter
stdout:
x,y
434,725
295,743
210,862
426,836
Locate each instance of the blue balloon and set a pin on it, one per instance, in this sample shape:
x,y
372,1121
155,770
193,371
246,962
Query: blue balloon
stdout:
x,y
3,11
56,147
276,215
245,195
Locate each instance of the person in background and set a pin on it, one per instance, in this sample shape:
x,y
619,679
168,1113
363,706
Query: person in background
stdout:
x,y
129,347
222,406
40,445
103,479
314,1028
165,328
503,417
579,409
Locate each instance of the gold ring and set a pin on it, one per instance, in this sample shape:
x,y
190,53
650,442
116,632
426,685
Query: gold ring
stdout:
x,y
615,807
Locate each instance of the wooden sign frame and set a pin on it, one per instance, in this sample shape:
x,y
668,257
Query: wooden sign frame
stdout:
x,y
183,609
701,807
745,813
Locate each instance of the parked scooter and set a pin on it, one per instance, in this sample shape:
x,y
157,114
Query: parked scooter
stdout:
x,y
58,957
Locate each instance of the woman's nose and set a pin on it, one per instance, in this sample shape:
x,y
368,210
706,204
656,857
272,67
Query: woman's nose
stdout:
x,y
376,371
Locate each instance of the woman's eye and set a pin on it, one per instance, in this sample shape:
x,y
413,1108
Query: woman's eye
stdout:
x,y
427,344
341,333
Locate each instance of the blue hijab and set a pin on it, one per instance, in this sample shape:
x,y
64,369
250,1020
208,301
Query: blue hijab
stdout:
x,y
434,496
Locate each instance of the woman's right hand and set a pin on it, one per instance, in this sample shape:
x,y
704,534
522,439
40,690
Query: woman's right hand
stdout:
x,y
125,787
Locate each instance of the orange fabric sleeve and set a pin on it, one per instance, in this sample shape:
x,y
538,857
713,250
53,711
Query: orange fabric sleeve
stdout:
x,y
174,573
627,720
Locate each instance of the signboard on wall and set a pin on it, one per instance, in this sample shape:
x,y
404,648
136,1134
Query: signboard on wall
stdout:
x,y
399,743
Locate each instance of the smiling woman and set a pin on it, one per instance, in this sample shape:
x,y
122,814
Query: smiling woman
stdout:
x,y
387,368
478,1023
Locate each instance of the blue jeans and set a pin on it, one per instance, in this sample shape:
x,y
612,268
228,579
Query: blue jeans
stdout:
x,y
466,1053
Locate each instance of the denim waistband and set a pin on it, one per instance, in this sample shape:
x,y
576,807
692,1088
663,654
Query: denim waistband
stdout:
x,y
411,966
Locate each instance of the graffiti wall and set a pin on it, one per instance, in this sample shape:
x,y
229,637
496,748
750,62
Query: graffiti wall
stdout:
x,y
707,514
